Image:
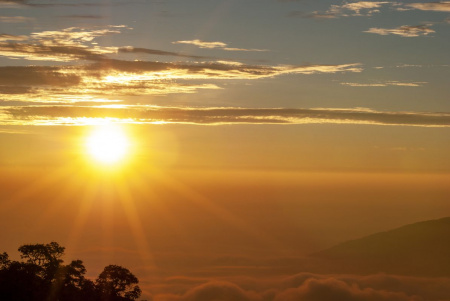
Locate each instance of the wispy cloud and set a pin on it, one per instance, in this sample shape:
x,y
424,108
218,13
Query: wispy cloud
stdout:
x,y
360,8
443,6
65,45
8,37
212,45
76,115
89,17
96,74
37,3
385,84
134,78
14,19
130,49
368,8
403,31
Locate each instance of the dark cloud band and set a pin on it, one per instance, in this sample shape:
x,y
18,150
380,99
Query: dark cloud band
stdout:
x,y
214,116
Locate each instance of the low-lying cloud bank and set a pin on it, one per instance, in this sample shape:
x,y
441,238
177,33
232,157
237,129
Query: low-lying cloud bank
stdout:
x,y
315,287
81,115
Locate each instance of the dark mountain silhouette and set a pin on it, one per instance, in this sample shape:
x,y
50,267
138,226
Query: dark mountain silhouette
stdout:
x,y
419,249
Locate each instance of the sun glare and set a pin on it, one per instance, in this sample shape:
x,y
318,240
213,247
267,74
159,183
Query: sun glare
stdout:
x,y
108,144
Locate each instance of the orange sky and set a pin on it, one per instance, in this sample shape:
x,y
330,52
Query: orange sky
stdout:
x,y
259,131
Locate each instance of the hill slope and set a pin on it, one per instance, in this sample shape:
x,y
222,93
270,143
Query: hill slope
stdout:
x,y
421,249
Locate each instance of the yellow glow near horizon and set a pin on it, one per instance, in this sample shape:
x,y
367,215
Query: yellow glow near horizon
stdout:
x,y
108,144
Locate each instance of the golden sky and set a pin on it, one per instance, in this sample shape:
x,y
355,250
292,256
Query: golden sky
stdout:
x,y
209,146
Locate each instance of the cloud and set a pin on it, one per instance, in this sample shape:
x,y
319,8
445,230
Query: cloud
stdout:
x,y
214,70
404,31
443,6
385,84
31,3
12,2
20,76
313,287
368,8
65,45
75,115
333,289
8,37
15,19
105,77
313,15
83,16
55,53
359,8
100,74
130,49
212,45
211,291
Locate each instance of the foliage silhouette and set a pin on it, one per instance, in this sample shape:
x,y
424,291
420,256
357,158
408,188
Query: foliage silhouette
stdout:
x,y
117,283
42,276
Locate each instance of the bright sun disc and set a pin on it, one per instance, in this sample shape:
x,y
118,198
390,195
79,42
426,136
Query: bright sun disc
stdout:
x,y
107,144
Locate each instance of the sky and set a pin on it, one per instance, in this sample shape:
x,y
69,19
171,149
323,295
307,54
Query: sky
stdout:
x,y
257,132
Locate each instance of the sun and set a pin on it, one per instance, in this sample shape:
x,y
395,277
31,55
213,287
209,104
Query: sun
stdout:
x,y
108,144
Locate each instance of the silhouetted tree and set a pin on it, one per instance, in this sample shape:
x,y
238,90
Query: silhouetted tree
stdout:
x,y
21,281
4,261
46,256
42,276
117,283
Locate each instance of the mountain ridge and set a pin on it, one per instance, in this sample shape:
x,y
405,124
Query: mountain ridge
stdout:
x,y
420,249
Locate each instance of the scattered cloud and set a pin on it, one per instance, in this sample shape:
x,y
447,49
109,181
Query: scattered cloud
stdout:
x,y
360,8
95,74
76,115
443,6
212,45
368,8
404,31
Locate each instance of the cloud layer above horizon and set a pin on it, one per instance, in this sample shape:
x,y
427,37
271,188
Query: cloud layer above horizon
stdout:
x,y
88,115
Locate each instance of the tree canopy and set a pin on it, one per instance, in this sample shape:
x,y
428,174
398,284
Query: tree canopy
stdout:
x,y
41,275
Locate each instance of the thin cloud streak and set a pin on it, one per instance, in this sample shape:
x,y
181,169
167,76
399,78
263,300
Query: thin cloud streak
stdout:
x,y
385,84
80,115
403,31
15,19
130,49
212,45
